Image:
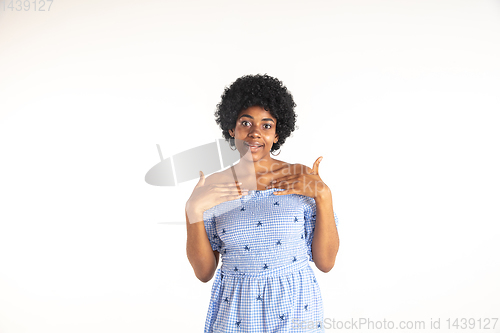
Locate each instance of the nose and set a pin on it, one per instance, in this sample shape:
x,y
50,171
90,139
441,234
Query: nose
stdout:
x,y
254,132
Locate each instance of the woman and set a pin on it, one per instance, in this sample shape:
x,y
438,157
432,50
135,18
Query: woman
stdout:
x,y
266,218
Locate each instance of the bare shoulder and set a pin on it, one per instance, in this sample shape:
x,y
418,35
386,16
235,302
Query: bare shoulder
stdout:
x,y
224,176
301,168
295,168
284,167
214,178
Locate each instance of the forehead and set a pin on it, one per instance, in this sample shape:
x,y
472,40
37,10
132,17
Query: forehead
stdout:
x,y
256,112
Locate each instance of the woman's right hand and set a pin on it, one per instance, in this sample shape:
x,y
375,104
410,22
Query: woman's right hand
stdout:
x,y
207,196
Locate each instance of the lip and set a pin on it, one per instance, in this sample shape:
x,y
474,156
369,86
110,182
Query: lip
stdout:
x,y
256,145
253,149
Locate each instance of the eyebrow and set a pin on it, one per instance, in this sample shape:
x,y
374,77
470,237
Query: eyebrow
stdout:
x,y
249,116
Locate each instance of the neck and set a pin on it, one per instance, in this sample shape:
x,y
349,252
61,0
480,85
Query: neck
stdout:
x,y
252,169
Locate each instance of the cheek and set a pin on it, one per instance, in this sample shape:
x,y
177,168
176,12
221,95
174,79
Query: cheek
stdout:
x,y
238,129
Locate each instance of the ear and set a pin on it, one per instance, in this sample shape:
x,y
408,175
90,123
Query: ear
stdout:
x,y
231,132
276,137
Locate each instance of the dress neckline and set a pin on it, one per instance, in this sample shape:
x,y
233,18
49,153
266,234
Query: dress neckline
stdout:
x,y
264,192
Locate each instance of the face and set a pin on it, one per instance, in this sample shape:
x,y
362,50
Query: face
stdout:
x,y
255,126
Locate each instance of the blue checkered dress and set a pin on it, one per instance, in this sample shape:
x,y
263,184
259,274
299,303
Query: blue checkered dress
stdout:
x,y
265,283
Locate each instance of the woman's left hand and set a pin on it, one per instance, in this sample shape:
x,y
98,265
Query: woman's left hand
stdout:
x,y
303,183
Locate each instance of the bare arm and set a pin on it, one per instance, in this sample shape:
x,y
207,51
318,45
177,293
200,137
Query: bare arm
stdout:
x,y
325,244
207,193
199,252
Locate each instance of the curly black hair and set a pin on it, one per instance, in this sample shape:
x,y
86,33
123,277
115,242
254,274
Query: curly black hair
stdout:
x,y
257,90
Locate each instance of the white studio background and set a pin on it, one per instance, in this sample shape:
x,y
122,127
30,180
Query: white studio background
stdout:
x,y
400,97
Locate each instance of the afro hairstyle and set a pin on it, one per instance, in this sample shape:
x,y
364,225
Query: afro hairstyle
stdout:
x,y
257,90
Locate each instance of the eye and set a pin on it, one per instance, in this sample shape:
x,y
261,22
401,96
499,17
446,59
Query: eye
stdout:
x,y
243,122
270,126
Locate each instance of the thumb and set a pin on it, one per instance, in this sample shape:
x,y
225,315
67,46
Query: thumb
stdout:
x,y
201,182
316,165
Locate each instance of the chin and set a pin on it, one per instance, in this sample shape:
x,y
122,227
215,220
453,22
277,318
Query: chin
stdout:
x,y
251,157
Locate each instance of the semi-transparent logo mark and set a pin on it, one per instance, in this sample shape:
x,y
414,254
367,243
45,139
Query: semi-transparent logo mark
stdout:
x,y
185,166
